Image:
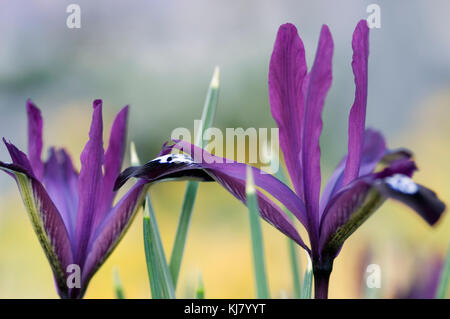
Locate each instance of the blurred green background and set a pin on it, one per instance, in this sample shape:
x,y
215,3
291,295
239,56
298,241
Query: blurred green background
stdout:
x,y
158,57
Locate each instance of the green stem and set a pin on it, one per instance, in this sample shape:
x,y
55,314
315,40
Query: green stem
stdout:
x,y
262,289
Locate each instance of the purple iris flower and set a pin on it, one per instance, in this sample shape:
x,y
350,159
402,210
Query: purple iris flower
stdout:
x,y
72,213
368,175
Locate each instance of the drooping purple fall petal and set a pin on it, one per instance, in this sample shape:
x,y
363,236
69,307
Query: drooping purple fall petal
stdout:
x,y
229,174
357,118
45,218
262,180
421,199
319,82
357,201
287,72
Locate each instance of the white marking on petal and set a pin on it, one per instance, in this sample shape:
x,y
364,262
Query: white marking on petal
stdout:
x,y
174,158
402,183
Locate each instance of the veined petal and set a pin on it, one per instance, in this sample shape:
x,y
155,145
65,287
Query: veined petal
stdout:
x,y
46,221
357,118
35,139
230,175
287,72
19,158
269,211
113,162
374,150
89,183
421,199
262,180
357,201
319,82
111,230
61,182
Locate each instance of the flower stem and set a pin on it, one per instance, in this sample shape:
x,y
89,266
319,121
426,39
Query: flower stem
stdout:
x,y
322,271
321,282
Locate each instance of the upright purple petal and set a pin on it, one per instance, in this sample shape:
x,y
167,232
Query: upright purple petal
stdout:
x,y
90,183
113,162
319,82
35,139
111,230
61,182
287,72
357,118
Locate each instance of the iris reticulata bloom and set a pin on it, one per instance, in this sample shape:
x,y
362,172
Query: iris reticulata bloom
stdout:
x,y
72,213
368,175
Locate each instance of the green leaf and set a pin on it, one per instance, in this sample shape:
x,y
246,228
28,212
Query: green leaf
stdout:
x,y
262,290
307,280
292,246
200,291
295,268
184,221
134,158
445,278
118,287
158,272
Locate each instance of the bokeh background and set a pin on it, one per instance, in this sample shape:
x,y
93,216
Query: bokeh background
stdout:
x,y
158,56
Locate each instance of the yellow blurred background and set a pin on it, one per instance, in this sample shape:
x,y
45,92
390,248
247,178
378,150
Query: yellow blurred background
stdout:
x,y
159,58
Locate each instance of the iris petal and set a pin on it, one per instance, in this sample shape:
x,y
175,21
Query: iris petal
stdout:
x,y
35,124
111,230
351,206
113,162
89,184
61,183
374,150
230,175
45,218
357,118
319,82
287,77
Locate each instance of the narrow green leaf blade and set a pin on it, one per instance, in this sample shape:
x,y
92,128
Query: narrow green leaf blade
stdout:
x,y
295,268
158,271
307,280
262,290
209,111
118,287
134,158
161,285
292,246
200,291
445,278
